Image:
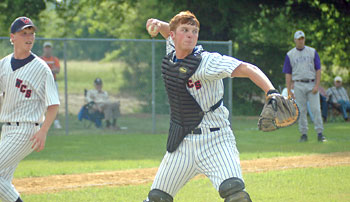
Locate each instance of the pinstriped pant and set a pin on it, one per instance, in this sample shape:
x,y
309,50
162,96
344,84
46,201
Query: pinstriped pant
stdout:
x,y
213,154
14,146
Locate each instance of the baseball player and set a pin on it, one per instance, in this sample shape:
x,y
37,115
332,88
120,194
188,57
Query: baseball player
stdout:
x,y
29,90
302,67
200,137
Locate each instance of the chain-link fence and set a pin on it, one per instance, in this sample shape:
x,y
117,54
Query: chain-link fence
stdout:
x,y
130,71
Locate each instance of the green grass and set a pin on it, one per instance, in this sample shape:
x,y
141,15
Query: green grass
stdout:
x,y
296,185
92,150
81,75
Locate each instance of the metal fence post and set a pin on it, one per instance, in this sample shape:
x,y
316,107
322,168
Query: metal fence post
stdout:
x,y
153,88
65,85
230,85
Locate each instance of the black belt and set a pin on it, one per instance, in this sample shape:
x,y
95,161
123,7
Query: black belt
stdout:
x,y
305,80
198,131
17,124
217,105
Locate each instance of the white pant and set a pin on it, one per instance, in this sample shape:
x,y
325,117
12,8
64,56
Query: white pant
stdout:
x,y
213,154
15,145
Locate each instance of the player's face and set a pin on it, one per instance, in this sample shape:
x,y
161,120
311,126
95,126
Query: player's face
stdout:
x,y
24,39
47,51
299,43
185,37
98,87
337,84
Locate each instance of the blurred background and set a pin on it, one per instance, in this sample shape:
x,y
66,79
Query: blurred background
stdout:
x,y
107,39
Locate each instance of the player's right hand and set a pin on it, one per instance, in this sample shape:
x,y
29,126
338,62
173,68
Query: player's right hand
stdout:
x,y
291,94
153,27
39,140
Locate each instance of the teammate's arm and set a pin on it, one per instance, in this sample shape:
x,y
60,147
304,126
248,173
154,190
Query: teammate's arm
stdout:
x,y
317,82
252,72
289,85
39,138
56,66
163,27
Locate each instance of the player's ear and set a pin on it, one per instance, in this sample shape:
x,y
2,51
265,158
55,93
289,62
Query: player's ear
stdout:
x,y
172,35
12,36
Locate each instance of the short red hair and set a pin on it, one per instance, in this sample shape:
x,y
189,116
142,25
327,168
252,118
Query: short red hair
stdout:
x,y
184,17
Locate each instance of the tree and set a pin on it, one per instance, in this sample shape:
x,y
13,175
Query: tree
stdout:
x,y
11,9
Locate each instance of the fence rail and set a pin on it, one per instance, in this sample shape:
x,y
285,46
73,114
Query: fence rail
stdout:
x,y
102,57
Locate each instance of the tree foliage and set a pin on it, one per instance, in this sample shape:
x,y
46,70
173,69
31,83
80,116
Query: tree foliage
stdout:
x,y
261,31
11,9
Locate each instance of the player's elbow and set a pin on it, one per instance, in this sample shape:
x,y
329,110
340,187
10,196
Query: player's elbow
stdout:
x,y
244,70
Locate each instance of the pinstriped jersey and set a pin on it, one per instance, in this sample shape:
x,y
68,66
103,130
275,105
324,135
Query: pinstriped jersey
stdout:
x,y
206,84
28,91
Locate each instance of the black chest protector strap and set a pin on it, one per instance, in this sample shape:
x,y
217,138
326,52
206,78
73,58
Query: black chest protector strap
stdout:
x,y
185,112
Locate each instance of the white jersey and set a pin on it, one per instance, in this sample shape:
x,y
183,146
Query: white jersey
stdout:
x,y
207,87
212,152
28,91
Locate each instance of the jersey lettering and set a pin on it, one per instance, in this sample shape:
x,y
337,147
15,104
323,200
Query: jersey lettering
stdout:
x,y
23,88
18,82
28,93
196,84
189,83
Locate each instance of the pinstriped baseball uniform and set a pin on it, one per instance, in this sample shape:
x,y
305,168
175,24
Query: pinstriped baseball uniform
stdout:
x,y
211,153
303,64
28,91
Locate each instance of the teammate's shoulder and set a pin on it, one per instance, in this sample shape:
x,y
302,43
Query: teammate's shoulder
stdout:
x,y
6,59
310,48
291,50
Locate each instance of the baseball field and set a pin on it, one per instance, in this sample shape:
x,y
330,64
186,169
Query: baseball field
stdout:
x,y
103,165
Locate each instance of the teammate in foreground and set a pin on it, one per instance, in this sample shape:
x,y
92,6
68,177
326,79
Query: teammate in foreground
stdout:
x,y
200,137
28,87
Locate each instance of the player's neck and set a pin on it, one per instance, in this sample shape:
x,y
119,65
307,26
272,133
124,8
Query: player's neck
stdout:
x,y
20,54
181,54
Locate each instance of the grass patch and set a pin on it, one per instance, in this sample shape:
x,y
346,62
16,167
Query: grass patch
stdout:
x,y
92,150
81,75
302,185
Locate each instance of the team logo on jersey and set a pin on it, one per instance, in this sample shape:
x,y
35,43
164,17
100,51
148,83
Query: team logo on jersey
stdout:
x,y
23,88
196,84
182,70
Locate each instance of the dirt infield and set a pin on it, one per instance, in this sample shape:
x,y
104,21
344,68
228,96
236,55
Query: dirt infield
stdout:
x,y
141,176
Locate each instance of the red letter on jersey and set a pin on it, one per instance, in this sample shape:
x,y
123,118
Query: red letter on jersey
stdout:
x,y
23,88
28,93
190,83
198,84
18,82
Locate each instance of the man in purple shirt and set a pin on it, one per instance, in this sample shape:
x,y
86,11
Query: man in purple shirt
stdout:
x,y
302,67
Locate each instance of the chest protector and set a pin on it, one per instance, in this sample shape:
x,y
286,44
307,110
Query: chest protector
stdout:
x,y
185,112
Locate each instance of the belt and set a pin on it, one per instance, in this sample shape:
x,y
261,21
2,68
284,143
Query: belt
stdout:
x,y
198,131
305,80
17,124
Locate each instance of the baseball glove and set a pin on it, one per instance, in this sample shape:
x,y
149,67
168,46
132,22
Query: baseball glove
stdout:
x,y
278,112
